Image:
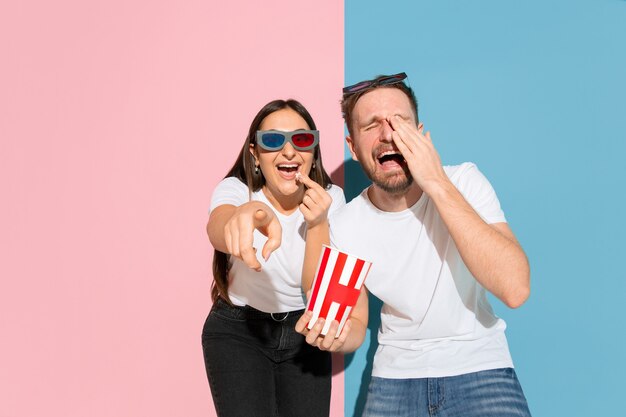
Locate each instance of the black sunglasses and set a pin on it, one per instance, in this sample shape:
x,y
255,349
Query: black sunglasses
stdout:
x,y
364,85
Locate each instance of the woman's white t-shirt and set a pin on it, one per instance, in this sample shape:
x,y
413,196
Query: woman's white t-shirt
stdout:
x,y
277,287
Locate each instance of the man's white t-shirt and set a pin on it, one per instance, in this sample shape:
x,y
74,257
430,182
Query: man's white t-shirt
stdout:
x,y
436,320
277,287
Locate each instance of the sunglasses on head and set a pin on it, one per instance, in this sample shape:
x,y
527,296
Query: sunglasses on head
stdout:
x,y
274,140
364,85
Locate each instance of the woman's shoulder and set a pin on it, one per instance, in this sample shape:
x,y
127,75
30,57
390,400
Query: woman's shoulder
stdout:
x,y
231,191
232,182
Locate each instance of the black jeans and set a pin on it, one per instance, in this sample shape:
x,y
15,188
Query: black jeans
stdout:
x,y
258,365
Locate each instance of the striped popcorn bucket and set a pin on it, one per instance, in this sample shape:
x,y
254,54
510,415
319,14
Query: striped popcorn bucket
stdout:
x,y
336,287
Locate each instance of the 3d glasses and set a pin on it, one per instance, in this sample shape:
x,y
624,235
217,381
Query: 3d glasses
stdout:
x,y
274,140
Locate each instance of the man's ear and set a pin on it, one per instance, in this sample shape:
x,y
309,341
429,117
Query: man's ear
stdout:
x,y
350,143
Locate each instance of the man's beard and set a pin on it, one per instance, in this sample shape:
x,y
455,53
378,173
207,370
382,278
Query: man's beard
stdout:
x,y
392,184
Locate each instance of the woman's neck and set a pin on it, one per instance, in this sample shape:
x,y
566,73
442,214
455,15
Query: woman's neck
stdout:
x,y
284,204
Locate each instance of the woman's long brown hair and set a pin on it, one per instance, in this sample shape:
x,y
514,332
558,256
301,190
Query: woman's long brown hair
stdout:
x,y
244,170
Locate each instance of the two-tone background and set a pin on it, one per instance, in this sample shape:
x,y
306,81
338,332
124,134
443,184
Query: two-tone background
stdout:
x,y
118,118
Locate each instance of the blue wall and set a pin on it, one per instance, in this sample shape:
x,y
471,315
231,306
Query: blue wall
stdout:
x,y
534,92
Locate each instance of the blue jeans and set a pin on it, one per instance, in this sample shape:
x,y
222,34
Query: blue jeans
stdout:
x,y
495,392
258,365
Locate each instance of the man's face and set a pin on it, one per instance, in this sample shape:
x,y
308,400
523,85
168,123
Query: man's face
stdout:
x,y
372,144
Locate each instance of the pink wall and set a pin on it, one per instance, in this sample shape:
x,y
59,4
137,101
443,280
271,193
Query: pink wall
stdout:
x,y
117,118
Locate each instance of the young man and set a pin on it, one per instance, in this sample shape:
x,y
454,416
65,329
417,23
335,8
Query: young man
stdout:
x,y
438,241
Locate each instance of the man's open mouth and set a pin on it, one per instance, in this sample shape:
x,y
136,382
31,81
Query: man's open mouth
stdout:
x,y
389,159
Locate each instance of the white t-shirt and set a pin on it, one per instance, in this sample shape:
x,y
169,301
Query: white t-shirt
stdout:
x,y
436,320
277,288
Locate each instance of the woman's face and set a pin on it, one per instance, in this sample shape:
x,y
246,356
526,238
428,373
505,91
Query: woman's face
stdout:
x,y
279,167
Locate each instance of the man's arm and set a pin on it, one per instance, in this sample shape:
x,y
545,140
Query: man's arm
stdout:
x,y
491,252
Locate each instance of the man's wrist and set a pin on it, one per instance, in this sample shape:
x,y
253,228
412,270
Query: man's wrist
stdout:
x,y
438,189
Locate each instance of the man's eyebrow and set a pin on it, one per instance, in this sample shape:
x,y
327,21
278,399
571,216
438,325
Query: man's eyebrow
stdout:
x,y
370,120
377,117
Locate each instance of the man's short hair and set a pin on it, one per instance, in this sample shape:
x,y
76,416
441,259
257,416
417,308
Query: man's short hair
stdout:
x,y
349,100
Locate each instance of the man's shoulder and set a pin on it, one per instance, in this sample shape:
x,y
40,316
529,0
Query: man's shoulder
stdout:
x,y
355,205
455,172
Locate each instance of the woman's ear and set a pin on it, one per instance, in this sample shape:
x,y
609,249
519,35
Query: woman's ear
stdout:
x,y
253,151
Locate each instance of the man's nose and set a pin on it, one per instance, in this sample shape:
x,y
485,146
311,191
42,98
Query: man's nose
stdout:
x,y
386,132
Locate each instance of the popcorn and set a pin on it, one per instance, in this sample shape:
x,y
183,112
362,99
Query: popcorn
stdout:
x,y
336,287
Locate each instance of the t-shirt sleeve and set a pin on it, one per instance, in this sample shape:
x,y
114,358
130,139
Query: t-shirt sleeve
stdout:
x,y
229,191
332,219
339,199
337,223
479,193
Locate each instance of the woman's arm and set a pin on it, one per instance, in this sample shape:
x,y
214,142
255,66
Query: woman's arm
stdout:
x,y
352,334
314,207
231,230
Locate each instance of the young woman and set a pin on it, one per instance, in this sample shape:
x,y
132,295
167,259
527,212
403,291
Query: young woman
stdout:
x,y
276,196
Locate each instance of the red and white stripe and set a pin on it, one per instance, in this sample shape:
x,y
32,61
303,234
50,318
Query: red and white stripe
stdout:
x,y
336,287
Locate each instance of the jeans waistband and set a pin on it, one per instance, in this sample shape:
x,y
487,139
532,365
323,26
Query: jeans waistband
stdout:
x,y
247,312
